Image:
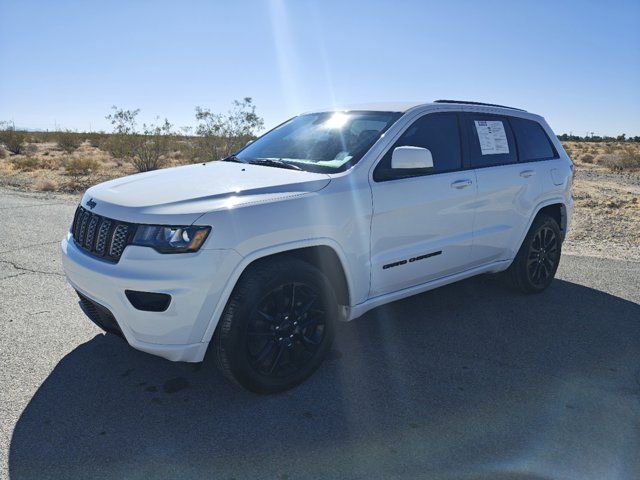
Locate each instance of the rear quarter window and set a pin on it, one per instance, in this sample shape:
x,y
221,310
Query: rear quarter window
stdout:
x,y
533,142
490,140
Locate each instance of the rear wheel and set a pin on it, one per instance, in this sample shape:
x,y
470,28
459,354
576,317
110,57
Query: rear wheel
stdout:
x,y
536,263
277,326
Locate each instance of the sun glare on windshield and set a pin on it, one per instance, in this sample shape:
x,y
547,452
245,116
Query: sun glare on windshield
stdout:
x,y
337,120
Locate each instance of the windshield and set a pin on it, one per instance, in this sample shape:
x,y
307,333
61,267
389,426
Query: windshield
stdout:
x,y
320,142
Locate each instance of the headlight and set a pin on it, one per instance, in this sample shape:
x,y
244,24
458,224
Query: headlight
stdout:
x,y
171,239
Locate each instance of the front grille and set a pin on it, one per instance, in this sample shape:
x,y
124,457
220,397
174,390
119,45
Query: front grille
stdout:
x,y
101,236
99,315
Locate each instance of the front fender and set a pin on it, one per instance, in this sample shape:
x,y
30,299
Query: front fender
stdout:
x,y
266,252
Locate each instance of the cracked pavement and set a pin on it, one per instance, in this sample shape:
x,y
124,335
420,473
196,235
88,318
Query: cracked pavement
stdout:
x,y
470,381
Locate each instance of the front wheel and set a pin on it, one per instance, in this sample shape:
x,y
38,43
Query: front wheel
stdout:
x,y
536,263
277,326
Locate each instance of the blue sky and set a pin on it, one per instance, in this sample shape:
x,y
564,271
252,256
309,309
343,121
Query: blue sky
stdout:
x,y
64,63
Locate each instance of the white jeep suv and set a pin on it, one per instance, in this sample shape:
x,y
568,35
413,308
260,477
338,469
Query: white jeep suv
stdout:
x,y
323,218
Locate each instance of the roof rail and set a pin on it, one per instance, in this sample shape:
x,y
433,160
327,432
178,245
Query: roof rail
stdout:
x,y
464,102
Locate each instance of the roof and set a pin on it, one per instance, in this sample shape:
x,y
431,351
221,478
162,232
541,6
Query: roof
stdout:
x,y
375,107
405,106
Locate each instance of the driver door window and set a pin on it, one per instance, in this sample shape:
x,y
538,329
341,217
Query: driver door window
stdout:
x,y
439,132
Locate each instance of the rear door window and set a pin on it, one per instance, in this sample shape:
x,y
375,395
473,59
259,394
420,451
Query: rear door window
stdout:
x,y
533,143
439,132
490,140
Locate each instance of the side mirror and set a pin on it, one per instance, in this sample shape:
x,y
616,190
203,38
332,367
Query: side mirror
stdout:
x,y
248,143
411,157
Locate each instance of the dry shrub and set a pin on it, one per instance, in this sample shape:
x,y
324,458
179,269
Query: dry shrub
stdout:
x,y
587,158
46,185
3,153
69,141
13,140
25,163
76,184
30,149
81,165
119,146
50,163
620,161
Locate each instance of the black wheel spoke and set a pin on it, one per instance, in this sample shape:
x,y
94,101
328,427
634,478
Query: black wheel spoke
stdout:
x,y
292,305
260,334
276,361
548,264
310,320
309,340
265,352
266,316
284,333
307,305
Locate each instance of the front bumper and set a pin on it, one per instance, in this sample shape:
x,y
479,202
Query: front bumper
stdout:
x,y
195,282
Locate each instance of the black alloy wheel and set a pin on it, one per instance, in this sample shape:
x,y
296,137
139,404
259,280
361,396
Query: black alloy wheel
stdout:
x,y
285,330
537,260
277,326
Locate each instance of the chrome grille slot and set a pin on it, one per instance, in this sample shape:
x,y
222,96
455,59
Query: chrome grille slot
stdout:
x,y
91,231
83,227
118,241
100,236
101,243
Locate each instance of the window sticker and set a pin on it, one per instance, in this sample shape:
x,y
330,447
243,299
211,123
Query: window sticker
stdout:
x,y
493,138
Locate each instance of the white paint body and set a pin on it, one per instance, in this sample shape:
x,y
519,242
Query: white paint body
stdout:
x,y
477,218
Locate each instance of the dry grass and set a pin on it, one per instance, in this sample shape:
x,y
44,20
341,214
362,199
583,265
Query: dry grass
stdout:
x,y
46,185
46,167
606,191
81,165
612,156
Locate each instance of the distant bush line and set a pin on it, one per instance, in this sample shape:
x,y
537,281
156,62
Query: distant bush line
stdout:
x,y
148,147
152,146
595,138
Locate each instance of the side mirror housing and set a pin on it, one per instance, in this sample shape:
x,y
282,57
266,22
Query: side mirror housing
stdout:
x,y
411,157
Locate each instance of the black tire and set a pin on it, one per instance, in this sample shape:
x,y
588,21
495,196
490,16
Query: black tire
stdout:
x,y
537,260
277,327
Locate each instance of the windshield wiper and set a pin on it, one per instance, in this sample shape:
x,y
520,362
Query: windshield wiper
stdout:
x,y
233,158
271,162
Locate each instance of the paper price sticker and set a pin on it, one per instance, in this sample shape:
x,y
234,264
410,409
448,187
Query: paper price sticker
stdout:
x,y
493,138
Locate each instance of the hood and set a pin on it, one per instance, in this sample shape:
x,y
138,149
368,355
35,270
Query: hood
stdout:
x,y
187,192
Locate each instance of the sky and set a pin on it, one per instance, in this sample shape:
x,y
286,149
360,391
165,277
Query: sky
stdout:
x,y
63,64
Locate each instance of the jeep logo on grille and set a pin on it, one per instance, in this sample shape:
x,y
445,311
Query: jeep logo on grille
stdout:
x,y
91,204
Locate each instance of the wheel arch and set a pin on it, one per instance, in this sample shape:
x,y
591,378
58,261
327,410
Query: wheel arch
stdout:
x,y
557,211
323,253
554,207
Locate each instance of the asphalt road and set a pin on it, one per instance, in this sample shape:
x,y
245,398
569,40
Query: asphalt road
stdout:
x,y
470,381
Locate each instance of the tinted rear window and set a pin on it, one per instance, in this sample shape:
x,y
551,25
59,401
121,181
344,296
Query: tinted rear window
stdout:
x,y
490,140
533,143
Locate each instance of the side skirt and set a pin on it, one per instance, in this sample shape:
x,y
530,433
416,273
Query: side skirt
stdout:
x,y
358,310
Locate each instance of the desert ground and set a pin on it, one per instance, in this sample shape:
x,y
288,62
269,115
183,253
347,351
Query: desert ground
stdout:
x,y
606,221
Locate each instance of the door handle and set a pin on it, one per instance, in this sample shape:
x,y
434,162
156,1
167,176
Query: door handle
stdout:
x,y
527,173
461,184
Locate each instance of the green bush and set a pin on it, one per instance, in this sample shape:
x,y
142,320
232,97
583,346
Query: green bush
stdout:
x,y
151,148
